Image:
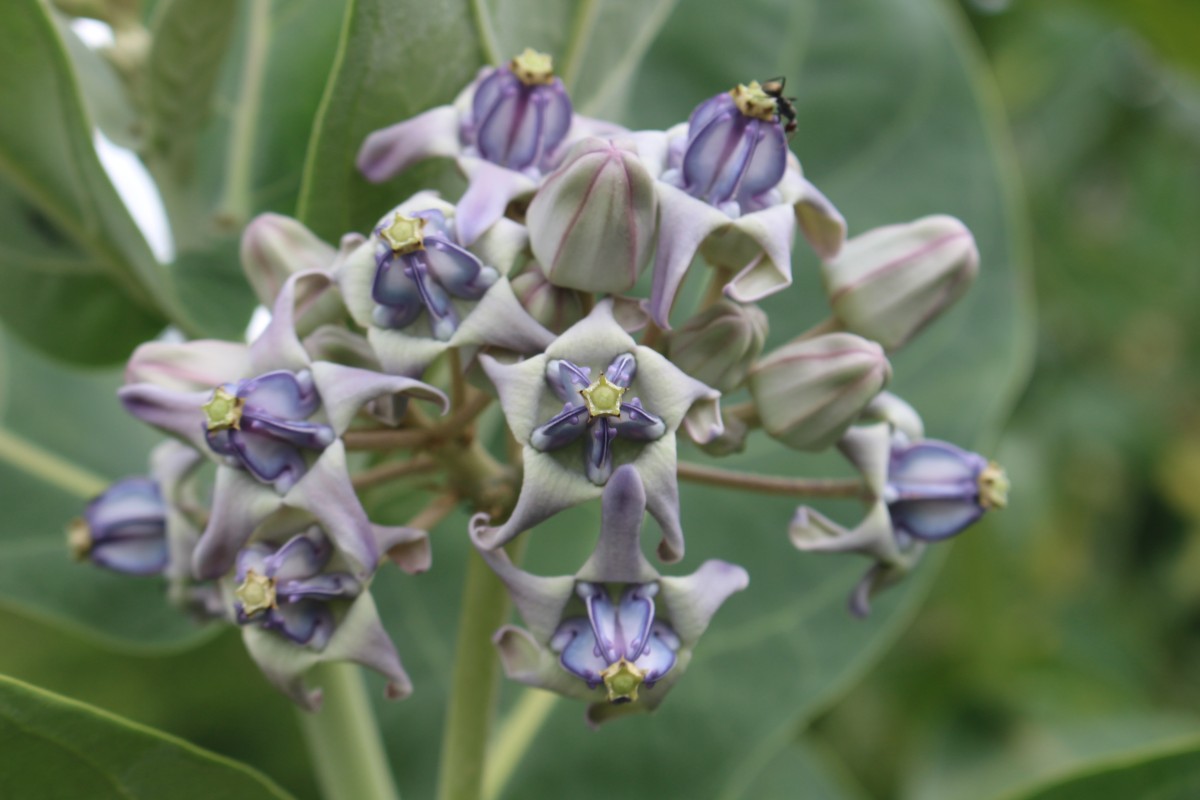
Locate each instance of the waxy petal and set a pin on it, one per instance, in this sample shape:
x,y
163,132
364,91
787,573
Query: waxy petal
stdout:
x,y
188,367
579,651
388,152
344,390
490,189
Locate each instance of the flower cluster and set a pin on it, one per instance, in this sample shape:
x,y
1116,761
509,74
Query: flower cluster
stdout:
x,y
525,290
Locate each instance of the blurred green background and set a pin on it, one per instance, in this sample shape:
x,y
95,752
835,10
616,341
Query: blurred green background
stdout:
x,y
1063,631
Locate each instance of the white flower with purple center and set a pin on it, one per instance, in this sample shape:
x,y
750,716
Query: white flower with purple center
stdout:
x,y
628,415
507,130
922,491
616,633
298,604
730,189
597,412
419,291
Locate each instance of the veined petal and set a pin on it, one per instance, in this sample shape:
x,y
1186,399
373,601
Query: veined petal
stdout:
x,y
561,430
567,380
689,602
638,424
326,492
575,641
188,367
659,655
240,504
490,189
635,613
457,270
344,390
603,616
683,225
388,152
278,346
597,450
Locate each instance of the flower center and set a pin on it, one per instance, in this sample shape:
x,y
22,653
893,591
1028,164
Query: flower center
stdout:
x,y
257,593
622,680
79,538
533,68
603,398
405,234
993,486
753,101
224,410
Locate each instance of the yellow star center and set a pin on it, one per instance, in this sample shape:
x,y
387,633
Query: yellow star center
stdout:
x,y
257,593
533,68
79,538
752,101
223,410
405,234
622,680
602,398
993,486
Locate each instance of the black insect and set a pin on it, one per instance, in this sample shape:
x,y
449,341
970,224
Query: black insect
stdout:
x,y
783,105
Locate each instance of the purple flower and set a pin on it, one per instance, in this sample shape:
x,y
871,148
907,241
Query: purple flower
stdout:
x,y
298,604
273,423
597,412
616,633
541,397
419,291
730,190
507,129
124,529
922,492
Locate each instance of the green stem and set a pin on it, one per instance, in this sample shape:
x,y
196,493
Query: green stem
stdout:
x,y
475,681
343,739
517,732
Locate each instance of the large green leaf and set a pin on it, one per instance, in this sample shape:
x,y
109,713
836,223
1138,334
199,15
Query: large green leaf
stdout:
x,y
897,121
394,61
55,747
1169,773
63,438
72,236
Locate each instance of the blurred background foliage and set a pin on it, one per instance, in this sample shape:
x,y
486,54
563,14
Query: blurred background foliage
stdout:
x,y
1059,633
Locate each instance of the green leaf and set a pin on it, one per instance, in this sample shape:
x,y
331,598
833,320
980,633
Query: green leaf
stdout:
x,y
213,281
1168,773
63,438
394,61
76,235
189,41
57,747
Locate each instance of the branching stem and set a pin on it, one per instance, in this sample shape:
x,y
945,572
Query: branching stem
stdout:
x,y
771,484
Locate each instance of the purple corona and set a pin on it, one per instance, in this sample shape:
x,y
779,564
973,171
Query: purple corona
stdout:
x,y
262,424
520,113
936,490
124,529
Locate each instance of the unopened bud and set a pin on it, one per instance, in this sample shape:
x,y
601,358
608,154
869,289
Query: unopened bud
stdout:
x,y
718,345
592,224
275,247
808,392
557,309
890,282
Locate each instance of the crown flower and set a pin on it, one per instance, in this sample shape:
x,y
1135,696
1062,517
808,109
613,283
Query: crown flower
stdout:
x,y
274,433
621,650
542,401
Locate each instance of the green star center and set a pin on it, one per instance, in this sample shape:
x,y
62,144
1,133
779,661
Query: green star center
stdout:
x,y
256,592
752,101
533,68
405,234
622,680
603,398
993,486
223,410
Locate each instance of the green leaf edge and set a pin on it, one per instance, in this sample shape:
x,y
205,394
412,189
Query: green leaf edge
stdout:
x,y
1128,759
8,683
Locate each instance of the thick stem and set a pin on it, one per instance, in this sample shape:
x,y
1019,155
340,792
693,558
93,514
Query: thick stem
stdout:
x,y
475,681
343,739
513,738
771,484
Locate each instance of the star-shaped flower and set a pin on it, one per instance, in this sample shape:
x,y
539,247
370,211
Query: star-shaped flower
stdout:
x,y
533,393
616,633
279,446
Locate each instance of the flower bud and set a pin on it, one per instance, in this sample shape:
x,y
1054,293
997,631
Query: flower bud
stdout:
x,y
555,308
592,223
890,282
123,529
275,247
808,392
521,112
718,345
